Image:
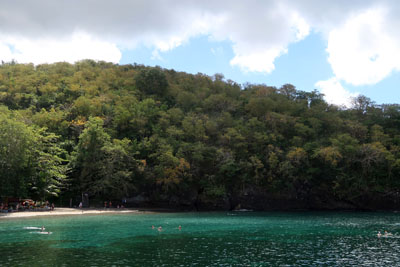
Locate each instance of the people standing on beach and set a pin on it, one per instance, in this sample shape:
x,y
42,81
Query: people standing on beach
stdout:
x,y
110,204
80,205
52,206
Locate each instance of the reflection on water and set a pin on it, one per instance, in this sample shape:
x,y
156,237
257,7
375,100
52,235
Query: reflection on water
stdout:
x,y
212,239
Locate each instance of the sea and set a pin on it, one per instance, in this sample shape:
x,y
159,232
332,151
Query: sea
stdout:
x,y
243,238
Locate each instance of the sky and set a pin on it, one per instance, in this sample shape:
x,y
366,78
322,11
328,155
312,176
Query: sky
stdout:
x,y
341,48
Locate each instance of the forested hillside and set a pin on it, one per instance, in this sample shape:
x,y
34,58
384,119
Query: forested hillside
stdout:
x,y
193,141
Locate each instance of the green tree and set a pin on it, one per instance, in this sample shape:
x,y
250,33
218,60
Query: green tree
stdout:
x,y
31,159
49,167
118,170
17,142
152,81
88,155
101,167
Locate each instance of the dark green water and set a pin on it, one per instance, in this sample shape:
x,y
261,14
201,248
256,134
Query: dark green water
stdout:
x,y
206,239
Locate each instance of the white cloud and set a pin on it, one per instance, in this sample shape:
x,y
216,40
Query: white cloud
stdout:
x,y
259,31
335,93
362,51
262,61
5,53
70,49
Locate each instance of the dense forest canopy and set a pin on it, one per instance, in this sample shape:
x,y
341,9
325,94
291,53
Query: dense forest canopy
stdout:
x,y
118,131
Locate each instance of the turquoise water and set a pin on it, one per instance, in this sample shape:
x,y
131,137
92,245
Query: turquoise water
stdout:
x,y
206,239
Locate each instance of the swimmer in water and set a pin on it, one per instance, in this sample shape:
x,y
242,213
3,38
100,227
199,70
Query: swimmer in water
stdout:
x,y
180,227
43,229
152,227
387,234
379,234
159,229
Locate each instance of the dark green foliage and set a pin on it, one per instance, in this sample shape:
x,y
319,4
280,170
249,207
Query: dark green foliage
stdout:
x,y
132,129
32,162
152,81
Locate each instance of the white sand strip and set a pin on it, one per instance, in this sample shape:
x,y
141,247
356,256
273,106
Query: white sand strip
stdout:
x,y
65,211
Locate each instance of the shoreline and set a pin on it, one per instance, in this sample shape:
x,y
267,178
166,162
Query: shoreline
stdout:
x,y
69,211
102,211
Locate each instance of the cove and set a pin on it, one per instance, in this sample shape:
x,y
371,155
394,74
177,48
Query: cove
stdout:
x,y
205,239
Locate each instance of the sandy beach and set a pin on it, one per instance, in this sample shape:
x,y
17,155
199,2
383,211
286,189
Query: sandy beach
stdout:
x,y
65,211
